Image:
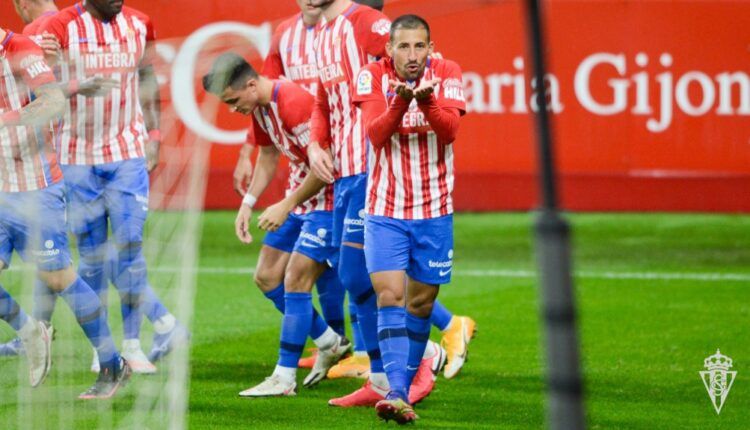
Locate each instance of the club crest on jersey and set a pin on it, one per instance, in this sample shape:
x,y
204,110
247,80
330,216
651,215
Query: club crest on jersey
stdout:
x,y
381,27
364,83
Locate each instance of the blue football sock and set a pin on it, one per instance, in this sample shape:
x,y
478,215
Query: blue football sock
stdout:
x,y
87,309
359,342
295,327
277,297
44,301
130,281
441,316
418,331
353,274
151,306
10,311
394,347
331,296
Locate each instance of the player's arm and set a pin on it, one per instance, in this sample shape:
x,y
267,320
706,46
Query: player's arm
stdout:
x,y
275,215
318,152
243,171
150,98
382,121
443,115
265,170
48,105
273,66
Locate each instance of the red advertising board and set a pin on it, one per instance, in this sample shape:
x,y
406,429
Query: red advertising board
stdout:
x,y
651,99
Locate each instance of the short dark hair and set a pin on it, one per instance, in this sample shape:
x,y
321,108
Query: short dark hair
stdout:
x,y
375,4
228,70
409,22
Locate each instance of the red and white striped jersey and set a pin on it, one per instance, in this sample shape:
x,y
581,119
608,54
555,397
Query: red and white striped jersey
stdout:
x,y
292,54
411,177
346,44
27,161
105,129
285,123
34,29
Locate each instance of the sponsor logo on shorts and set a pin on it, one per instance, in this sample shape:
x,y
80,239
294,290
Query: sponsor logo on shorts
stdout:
x,y
49,252
447,264
312,238
322,233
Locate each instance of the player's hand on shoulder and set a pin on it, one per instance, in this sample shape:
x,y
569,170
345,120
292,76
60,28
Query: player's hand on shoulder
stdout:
x,y
50,46
273,217
242,224
401,89
426,88
321,162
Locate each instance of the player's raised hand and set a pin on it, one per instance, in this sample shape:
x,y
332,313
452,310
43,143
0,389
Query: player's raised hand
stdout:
x,y
242,224
321,162
426,88
274,216
401,89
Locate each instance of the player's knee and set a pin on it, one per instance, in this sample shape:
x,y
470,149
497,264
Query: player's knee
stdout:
x,y
267,279
390,297
297,281
420,306
57,280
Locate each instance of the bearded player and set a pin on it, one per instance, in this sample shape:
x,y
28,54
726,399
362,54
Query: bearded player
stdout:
x,y
32,211
109,143
411,105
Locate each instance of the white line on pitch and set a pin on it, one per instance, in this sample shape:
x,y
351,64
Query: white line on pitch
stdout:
x,y
498,273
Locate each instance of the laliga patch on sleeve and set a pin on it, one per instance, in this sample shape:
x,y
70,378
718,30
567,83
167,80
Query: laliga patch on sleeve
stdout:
x,y
381,27
364,83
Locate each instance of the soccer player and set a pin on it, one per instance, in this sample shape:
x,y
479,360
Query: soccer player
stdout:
x,y
292,56
32,208
35,14
411,105
281,122
353,36
109,143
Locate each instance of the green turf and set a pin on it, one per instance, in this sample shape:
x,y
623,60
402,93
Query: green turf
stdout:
x,y
644,340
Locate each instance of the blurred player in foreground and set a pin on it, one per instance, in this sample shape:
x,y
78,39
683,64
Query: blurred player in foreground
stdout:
x,y
281,123
32,209
109,143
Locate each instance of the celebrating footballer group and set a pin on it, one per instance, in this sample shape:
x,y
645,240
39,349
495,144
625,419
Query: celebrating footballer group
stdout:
x,y
365,111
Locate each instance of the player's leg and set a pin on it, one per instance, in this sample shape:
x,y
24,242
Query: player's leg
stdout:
x,y
126,199
331,295
87,221
430,266
49,250
349,198
33,334
387,253
356,365
274,256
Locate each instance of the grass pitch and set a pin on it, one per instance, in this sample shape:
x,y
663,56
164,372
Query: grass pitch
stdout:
x,y
657,294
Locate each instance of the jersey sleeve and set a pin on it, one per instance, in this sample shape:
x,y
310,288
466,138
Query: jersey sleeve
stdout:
x,y
273,67
259,135
295,111
28,63
56,27
373,31
320,122
369,84
452,87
